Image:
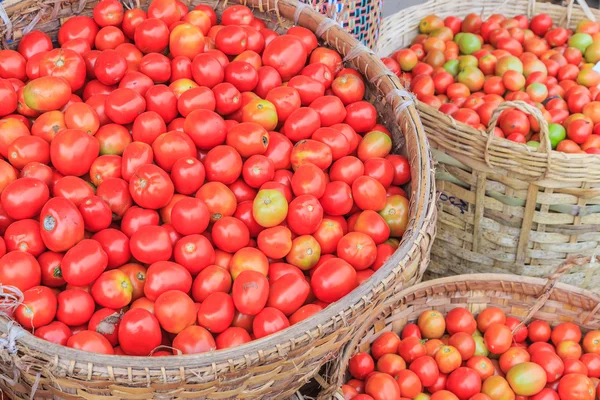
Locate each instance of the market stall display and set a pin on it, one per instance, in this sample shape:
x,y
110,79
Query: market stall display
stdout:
x,y
507,206
142,171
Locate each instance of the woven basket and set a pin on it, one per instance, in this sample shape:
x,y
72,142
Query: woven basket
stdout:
x,y
277,365
525,298
504,207
362,18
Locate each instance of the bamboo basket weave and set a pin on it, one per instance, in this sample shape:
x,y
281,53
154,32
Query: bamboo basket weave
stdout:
x,y
504,207
273,367
524,298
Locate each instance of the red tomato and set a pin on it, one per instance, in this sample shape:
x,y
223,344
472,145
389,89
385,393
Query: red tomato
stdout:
x,y
75,307
287,54
84,263
333,280
24,198
38,307
151,187
382,387
269,321
216,312
163,276
250,292
139,332
55,332
90,341
151,244
73,151
210,280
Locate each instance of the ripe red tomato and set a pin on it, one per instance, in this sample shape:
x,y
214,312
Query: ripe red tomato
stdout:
x,y
216,312
75,307
163,276
84,263
38,307
62,225
90,341
250,292
139,332
333,280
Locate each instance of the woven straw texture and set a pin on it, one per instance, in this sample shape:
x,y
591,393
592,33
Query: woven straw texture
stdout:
x,y
362,18
522,297
504,207
275,366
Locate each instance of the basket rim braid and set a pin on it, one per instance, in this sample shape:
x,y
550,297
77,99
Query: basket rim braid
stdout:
x,y
415,244
474,147
543,296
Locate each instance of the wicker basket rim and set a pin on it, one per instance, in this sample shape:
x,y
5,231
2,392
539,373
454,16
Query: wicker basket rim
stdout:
x,y
336,311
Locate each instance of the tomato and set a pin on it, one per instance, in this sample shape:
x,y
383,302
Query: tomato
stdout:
x,y
62,224
539,331
566,331
305,213
139,332
361,365
90,341
386,343
250,292
151,244
50,269
275,242
408,383
55,332
426,369
123,105
288,293
37,308
591,342
551,363
464,383
369,194
382,387
287,54
73,151
216,312
84,263
96,214
163,276
489,316
232,337
333,280
175,311
194,252
24,198
12,65
210,280
75,307
498,338
112,289
151,187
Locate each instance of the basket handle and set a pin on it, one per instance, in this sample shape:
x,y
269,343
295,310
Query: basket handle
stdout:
x,y
545,146
546,291
565,20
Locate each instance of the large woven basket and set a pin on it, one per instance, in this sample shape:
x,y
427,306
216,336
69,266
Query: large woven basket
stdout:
x,y
504,207
277,365
524,298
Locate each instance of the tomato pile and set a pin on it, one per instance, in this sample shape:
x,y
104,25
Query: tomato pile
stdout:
x,y
167,180
466,68
491,357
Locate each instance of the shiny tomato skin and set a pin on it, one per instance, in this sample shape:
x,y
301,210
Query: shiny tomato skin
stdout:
x,y
38,307
72,188
194,252
75,307
151,244
210,280
123,105
151,187
216,312
20,269
84,262
190,216
96,214
286,54
193,340
112,289
24,198
139,332
50,268
305,213
24,235
73,151
151,36
175,311
232,337
250,292
426,369
64,63
269,321
62,225
165,275
116,245
460,320
288,293
333,279
382,387
90,341
55,332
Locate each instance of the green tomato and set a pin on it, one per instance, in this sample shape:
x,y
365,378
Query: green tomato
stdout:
x,y
469,43
533,143
467,61
451,66
580,41
458,36
557,134
480,347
